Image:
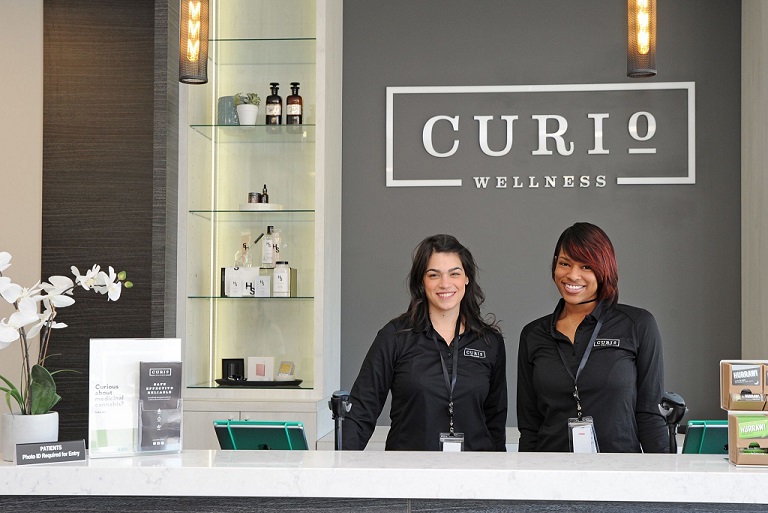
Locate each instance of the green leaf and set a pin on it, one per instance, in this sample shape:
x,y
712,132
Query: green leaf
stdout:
x,y
12,392
42,391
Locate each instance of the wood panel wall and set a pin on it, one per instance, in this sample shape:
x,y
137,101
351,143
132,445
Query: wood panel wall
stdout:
x,y
110,166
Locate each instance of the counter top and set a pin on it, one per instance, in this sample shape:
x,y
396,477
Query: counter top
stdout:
x,y
417,475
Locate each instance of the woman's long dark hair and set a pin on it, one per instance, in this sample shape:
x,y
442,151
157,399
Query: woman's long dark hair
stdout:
x,y
469,310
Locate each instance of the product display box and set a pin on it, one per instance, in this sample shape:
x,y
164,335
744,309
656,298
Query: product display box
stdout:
x,y
748,437
743,384
246,282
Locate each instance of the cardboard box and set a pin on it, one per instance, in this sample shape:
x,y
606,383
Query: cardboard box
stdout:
x,y
245,282
742,385
748,437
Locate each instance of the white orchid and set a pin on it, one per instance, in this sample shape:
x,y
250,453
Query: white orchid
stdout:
x,y
26,322
112,286
5,261
87,280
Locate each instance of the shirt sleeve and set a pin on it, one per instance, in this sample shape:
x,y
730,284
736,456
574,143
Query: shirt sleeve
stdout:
x,y
370,390
651,425
528,417
495,405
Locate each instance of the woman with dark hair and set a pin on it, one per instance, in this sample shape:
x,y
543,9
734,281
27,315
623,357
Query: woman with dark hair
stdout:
x,y
444,364
590,374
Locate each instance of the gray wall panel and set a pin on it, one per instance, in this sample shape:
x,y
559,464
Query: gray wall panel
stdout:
x,y
677,245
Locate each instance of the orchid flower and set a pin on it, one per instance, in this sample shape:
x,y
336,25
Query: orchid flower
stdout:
x,y
111,285
58,291
87,280
5,261
35,396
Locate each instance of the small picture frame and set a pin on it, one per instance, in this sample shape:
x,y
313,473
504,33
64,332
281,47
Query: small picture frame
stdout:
x,y
261,368
286,371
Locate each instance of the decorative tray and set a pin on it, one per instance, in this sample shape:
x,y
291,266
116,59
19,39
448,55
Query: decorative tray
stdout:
x,y
261,206
257,384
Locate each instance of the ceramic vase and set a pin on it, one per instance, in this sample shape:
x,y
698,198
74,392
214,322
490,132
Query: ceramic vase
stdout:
x,y
226,113
27,429
247,112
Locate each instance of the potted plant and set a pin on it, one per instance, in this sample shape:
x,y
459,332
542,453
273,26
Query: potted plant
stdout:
x,y
35,311
247,105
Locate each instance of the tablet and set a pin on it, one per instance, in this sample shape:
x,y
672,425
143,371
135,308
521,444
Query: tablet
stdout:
x,y
706,437
256,435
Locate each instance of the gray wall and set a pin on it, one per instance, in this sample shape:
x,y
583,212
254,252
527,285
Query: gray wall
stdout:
x,y
677,245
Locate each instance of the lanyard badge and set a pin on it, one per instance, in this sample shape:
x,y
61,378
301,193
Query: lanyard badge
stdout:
x,y
581,430
451,441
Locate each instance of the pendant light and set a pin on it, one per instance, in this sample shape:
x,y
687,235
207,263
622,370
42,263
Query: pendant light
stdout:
x,y
641,38
193,42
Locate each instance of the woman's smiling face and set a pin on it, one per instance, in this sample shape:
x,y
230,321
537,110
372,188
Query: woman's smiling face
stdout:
x,y
575,280
445,282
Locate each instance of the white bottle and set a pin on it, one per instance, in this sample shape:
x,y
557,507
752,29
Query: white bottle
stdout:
x,y
268,250
281,287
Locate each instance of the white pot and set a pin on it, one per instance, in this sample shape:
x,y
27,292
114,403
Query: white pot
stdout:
x,y
247,112
27,429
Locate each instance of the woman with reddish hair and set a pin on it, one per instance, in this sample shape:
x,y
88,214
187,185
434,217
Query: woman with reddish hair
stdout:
x,y
590,374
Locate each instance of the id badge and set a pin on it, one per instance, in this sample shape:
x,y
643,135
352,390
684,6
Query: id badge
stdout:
x,y
451,442
581,435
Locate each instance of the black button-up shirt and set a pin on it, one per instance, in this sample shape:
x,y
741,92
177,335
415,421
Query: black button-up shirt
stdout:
x,y
408,364
620,387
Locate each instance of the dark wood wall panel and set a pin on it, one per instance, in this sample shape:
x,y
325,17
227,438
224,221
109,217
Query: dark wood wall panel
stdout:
x,y
106,164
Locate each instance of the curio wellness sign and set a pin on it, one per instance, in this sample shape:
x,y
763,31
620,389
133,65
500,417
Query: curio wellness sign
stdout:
x,y
541,136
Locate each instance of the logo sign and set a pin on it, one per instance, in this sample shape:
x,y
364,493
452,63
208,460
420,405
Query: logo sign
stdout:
x,y
160,371
474,353
745,375
607,342
541,136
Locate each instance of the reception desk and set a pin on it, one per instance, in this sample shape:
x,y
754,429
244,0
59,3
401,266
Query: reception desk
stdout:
x,y
387,481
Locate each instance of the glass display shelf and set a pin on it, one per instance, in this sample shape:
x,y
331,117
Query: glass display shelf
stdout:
x,y
251,298
246,51
265,134
239,216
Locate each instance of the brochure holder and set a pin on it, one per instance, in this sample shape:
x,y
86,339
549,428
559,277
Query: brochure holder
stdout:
x,y
115,392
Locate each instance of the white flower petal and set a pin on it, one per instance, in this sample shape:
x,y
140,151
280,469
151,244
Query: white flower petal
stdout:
x,y
5,261
27,305
11,292
21,319
114,291
7,334
61,300
34,330
61,282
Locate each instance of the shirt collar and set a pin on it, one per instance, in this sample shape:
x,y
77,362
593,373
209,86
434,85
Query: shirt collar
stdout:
x,y
593,316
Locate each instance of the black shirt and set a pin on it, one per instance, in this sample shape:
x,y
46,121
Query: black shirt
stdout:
x,y
408,364
620,386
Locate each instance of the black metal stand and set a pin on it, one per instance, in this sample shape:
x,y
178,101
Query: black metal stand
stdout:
x,y
340,406
673,409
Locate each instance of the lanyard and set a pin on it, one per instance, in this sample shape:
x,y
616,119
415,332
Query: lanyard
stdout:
x,y
581,364
450,381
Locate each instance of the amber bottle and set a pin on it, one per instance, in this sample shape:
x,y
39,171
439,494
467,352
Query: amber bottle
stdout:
x,y
294,106
274,106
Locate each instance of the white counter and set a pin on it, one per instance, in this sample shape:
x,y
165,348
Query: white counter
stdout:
x,y
375,474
